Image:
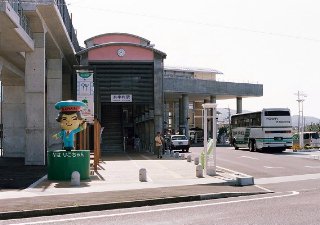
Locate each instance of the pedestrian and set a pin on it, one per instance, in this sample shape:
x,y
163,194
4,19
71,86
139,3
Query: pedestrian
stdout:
x,y
136,143
159,140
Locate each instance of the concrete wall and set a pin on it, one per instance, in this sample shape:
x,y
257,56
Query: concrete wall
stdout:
x,y
13,113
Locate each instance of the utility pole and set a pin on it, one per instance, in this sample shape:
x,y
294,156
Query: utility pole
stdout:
x,y
300,101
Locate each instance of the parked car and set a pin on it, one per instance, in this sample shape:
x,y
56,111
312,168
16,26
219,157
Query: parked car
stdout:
x,y
179,142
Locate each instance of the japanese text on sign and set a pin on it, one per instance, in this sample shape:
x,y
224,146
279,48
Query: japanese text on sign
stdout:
x,y
121,98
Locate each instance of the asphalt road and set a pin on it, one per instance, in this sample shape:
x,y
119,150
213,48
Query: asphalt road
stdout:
x,y
293,177
289,207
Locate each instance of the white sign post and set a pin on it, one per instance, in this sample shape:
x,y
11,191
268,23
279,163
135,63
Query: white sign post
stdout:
x,y
210,147
85,93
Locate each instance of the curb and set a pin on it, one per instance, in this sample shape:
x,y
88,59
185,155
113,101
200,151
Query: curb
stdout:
x,y
120,205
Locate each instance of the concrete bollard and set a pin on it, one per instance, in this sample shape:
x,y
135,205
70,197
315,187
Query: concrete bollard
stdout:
x,y
172,153
75,178
176,154
143,175
189,159
199,171
196,161
167,152
183,156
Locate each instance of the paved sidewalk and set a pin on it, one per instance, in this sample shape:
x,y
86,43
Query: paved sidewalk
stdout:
x,y
116,185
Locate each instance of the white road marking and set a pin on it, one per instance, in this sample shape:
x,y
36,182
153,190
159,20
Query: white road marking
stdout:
x,y
292,193
273,167
273,180
38,181
312,166
249,157
263,188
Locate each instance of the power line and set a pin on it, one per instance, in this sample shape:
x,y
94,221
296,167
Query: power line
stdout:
x,y
243,29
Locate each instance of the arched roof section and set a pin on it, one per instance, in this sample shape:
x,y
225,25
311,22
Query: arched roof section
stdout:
x,y
115,37
130,52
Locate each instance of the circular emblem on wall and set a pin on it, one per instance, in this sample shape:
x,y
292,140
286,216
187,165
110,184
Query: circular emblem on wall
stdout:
x,y
121,52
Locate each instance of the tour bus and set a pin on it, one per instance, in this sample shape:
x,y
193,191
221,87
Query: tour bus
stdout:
x,y
268,129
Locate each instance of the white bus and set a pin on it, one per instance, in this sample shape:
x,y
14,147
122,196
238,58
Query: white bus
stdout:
x,y
269,129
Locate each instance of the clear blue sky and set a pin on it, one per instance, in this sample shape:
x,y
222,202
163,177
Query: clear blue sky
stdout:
x,y
275,43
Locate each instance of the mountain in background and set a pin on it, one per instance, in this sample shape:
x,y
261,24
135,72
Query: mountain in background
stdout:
x,y
224,112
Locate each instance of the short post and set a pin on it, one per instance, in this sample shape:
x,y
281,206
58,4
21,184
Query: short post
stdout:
x,y
189,158
143,175
172,153
196,161
183,156
176,154
75,178
199,171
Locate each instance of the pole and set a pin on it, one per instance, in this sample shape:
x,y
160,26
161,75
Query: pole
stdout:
x,y
300,120
302,124
205,137
214,136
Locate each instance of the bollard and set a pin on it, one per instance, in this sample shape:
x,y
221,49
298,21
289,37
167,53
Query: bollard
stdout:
x,y
143,175
199,171
183,156
75,178
167,152
172,153
189,158
176,154
196,161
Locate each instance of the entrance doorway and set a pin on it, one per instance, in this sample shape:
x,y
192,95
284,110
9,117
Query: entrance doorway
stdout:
x,y
118,128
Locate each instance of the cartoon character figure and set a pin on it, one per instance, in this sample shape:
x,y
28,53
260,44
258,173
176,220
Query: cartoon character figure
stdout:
x,y
71,122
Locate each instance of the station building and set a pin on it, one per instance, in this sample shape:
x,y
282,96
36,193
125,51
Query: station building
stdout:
x,y
39,54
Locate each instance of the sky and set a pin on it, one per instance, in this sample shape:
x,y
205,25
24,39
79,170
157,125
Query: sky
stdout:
x,y
271,42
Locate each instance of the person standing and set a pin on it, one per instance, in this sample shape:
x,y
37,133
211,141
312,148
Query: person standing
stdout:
x,y
159,140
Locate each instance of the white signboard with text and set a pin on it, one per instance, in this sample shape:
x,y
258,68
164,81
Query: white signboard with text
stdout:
x,y
121,98
85,93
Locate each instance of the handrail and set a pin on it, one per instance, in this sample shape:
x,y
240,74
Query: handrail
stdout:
x,y
24,22
67,20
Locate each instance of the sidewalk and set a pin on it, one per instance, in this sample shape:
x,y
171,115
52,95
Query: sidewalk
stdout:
x,y
116,185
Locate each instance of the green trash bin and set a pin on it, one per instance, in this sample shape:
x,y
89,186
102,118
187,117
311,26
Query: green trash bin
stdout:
x,y
62,163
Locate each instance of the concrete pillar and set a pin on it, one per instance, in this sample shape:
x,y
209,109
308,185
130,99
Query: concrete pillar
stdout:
x,y
13,113
213,99
35,102
208,120
181,125
67,87
54,94
176,116
185,105
151,137
158,95
239,105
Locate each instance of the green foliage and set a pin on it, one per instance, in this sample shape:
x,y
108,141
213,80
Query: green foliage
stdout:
x,y
313,127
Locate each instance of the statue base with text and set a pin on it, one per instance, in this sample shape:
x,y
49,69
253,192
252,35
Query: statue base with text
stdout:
x,y
61,164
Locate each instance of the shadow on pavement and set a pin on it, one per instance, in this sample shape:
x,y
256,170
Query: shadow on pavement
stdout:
x,y
15,175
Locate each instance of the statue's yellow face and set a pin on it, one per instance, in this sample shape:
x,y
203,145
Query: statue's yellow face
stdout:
x,y
70,122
